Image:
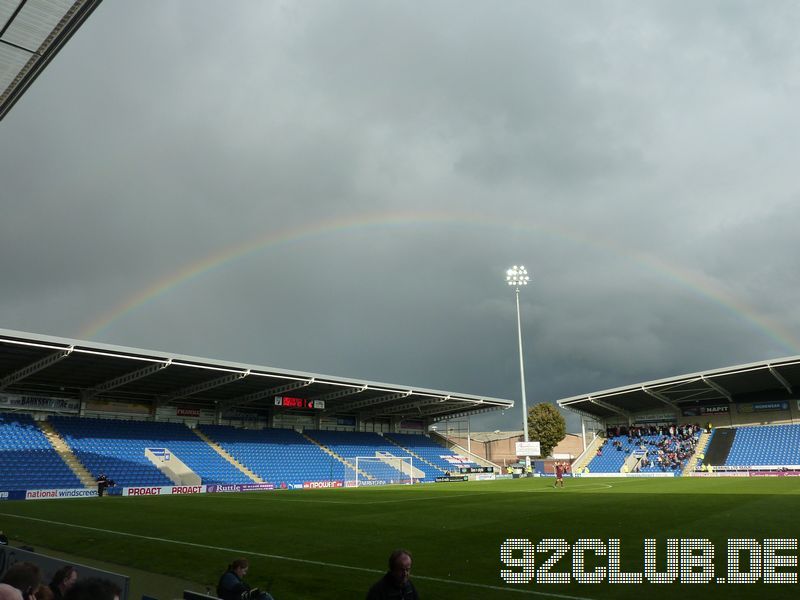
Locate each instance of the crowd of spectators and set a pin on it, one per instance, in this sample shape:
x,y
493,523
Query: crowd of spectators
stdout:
x,y
23,581
668,447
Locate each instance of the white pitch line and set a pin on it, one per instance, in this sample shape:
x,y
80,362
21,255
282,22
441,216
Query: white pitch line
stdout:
x,y
292,559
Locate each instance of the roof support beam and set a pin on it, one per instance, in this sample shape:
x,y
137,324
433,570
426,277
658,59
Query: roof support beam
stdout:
x,y
355,405
613,409
256,396
343,393
781,379
206,385
399,408
458,415
659,396
123,379
32,368
717,387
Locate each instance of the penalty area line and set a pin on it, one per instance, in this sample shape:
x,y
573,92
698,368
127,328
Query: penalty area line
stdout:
x,y
292,559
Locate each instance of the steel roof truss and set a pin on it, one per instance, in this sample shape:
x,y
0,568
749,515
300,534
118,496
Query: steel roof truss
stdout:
x,y
256,396
466,413
348,391
658,396
613,409
206,385
32,368
124,379
397,408
781,379
716,387
366,402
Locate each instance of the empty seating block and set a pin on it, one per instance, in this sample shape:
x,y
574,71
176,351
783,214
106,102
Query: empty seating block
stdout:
x,y
278,456
350,444
27,458
768,445
116,448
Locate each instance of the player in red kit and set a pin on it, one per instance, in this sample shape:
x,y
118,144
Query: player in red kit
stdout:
x,y
560,468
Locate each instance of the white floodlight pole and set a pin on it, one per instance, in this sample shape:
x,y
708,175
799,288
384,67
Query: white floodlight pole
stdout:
x,y
517,276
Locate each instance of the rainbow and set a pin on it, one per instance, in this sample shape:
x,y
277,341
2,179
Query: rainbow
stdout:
x,y
696,282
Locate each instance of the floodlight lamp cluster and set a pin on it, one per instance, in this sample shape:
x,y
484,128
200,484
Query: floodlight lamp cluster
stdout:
x,y
517,276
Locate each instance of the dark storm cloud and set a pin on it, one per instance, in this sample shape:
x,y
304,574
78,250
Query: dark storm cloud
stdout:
x,y
639,159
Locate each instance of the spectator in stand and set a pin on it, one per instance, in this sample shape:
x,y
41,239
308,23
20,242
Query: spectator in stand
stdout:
x,y
8,592
395,585
93,589
63,579
25,576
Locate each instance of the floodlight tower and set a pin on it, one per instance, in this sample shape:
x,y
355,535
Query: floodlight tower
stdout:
x,y
517,276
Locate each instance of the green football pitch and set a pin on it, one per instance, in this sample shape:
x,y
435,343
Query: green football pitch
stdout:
x,y
331,544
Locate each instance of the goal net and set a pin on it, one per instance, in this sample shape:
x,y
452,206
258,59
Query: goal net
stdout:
x,y
379,470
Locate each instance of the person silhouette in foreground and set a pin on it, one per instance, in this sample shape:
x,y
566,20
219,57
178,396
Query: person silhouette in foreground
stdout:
x,y
395,585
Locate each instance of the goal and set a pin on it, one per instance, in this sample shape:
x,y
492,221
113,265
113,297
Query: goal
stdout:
x,y
379,470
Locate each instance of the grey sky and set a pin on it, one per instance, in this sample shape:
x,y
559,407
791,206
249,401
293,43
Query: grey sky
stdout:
x,y
639,159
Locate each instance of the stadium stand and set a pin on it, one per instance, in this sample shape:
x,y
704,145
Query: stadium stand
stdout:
x,y
277,455
27,458
757,446
350,445
645,450
441,458
117,448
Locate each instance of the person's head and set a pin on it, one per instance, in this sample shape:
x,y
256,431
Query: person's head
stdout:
x,y
44,592
24,576
93,589
8,592
64,578
240,567
400,565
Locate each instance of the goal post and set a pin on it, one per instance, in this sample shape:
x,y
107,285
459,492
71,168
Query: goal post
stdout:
x,y
379,470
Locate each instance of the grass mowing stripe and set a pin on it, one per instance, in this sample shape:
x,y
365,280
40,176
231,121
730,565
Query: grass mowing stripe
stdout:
x,y
292,559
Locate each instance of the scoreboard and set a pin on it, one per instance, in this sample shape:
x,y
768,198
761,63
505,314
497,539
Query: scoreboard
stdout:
x,y
301,403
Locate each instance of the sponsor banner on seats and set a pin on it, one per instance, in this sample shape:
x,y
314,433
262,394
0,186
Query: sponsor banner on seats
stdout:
x,y
313,485
166,490
59,493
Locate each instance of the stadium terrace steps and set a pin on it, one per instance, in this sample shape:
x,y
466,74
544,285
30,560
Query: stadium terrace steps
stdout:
x,y
699,453
66,454
587,455
413,454
224,454
347,465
